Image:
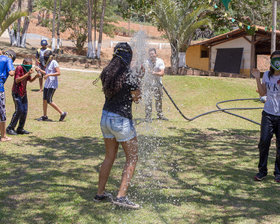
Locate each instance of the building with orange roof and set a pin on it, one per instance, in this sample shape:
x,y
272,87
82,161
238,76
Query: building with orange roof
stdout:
x,y
232,52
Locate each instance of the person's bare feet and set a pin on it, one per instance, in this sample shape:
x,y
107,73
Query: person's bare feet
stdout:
x,y
6,139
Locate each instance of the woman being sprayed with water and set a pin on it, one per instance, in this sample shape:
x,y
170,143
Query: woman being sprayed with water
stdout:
x,y
270,123
120,91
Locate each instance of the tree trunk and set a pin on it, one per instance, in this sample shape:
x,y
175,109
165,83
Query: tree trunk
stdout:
x,y
174,59
101,29
90,47
18,25
58,27
95,27
53,26
26,25
12,35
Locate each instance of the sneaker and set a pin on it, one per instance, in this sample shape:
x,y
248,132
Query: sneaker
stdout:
x,y
277,178
104,197
62,116
259,176
43,118
22,132
124,202
161,117
10,131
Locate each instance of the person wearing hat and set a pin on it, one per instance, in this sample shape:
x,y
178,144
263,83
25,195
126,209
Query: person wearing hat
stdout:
x,y
6,69
40,60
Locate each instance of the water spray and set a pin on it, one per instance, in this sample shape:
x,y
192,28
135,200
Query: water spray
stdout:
x,y
139,74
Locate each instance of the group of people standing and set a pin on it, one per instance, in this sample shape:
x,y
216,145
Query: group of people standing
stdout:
x,y
46,68
120,91
117,126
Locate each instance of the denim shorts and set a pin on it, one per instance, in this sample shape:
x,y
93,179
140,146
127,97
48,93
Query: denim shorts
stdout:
x,y
118,127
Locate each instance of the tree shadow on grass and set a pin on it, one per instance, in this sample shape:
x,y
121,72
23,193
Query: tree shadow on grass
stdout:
x,y
212,170
207,169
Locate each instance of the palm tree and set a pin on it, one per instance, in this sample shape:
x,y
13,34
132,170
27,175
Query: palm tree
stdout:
x,y
179,23
101,29
90,53
7,19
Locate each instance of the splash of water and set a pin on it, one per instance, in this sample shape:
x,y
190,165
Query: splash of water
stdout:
x,y
149,139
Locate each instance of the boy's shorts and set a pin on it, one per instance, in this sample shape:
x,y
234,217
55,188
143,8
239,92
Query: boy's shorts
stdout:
x,y
118,127
48,94
2,107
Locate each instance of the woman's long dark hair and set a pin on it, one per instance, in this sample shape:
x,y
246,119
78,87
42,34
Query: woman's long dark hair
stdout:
x,y
113,76
271,70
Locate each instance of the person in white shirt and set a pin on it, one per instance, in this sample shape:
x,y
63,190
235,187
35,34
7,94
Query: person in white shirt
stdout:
x,y
51,84
153,85
270,124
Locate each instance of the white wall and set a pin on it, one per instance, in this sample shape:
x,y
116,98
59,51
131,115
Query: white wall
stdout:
x,y
236,43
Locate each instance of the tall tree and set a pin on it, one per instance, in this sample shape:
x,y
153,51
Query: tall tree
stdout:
x,y
26,24
53,25
95,27
58,27
90,52
7,18
18,25
101,29
179,24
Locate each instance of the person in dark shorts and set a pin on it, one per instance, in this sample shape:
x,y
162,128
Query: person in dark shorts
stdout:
x,y
6,69
51,84
120,91
22,75
40,60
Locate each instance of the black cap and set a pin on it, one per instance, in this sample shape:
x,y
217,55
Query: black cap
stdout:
x,y
11,54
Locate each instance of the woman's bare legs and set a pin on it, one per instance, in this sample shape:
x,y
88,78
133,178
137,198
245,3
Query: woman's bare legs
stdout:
x,y
56,108
111,146
131,152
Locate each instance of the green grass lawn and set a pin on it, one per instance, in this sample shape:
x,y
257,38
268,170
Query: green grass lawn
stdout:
x,y
188,172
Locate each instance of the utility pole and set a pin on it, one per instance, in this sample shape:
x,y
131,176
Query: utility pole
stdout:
x,y
274,25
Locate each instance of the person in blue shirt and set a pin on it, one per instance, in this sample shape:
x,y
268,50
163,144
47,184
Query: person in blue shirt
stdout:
x,y
6,69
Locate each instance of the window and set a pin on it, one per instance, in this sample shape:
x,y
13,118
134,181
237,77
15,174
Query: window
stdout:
x,y
204,53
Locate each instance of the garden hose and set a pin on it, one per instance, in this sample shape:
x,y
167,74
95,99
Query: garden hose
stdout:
x,y
225,110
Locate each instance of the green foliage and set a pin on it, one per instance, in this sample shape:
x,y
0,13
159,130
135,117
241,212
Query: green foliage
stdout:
x,y
74,18
7,18
136,10
179,21
252,12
